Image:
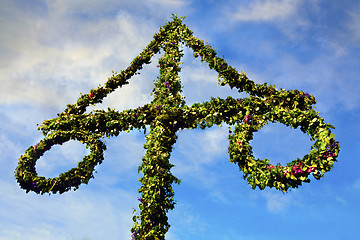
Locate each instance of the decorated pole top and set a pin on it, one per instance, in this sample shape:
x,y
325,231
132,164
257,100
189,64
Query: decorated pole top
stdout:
x,y
167,114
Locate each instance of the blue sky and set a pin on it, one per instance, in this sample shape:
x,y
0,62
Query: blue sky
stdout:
x,y
51,51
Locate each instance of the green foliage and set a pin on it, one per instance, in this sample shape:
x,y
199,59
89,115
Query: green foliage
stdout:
x,y
168,113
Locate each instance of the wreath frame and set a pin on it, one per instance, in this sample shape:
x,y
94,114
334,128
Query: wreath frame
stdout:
x,y
27,175
262,174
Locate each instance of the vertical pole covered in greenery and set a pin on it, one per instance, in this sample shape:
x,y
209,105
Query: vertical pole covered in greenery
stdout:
x,y
156,190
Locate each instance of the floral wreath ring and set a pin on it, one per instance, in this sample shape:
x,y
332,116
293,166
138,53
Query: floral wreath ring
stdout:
x,y
260,173
72,178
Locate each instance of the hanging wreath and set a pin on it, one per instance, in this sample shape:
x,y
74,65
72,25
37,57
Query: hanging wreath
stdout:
x,y
26,171
261,173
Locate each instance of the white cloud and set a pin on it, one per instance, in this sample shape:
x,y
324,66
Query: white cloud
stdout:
x,y
353,25
277,202
51,59
341,200
219,196
320,77
171,2
265,10
282,137
70,56
185,218
198,148
197,76
61,158
356,185
73,215
198,155
66,8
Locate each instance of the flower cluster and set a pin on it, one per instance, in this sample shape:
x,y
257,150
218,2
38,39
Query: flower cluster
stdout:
x,y
134,235
330,150
298,169
305,94
295,169
247,118
167,85
35,186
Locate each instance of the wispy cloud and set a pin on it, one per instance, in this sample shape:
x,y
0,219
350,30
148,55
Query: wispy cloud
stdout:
x,y
69,60
65,216
197,148
61,158
277,202
319,77
356,185
219,197
341,200
354,26
171,2
185,217
266,10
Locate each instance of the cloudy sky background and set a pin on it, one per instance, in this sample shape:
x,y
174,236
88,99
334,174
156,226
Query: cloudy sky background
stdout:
x,y
52,50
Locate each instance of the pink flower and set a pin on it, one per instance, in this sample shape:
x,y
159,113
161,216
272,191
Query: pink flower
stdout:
x,y
239,142
310,169
296,169
167,85
247,118
271,166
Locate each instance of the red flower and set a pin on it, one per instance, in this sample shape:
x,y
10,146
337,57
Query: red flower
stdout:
x,y
91,95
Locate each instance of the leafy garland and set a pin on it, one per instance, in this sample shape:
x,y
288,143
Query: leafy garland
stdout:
x,y
259,172
168,113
